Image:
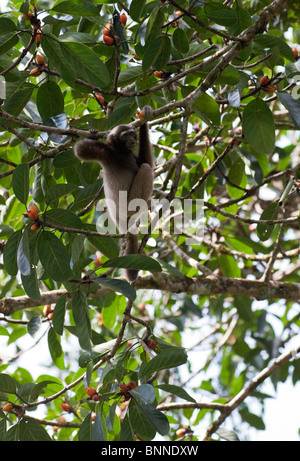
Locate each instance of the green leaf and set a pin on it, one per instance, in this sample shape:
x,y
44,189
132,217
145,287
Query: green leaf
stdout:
x,y
99,431
293,106
65,159
59,314
145,393
85,432
139,422
55,349
31,431
123,112
180,41
229,266
88,66
155,417
12,435
236,177
136,8
8,41
7,384
77,8
6,25
225,16
266,41
23,254
49,100
140,262
127,434
16,103
30,285
106,245
258,126
264,231
157,54
170,357
176,390
207,109
52,49
84,195
59,190
61,217
54,256
120,286
34,325
82,320
226,434
20,182
10,254
130,75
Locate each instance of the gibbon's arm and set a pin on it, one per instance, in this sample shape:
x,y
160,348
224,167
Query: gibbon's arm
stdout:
x,y
89,150
145,150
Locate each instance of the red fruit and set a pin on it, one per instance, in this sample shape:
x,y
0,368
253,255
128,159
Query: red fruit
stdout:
x,y
123,388
151,344
98,260
40,60
35,72
131,385
296,54
159,73
27,16
95,398
90,391
109,41
101,100
8,407
123,19
270,89
38,36
33,212
106,31
66,407
264,80
181,432
47,310
34,227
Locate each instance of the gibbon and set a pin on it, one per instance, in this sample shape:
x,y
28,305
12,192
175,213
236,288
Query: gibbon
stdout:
x,y
122,172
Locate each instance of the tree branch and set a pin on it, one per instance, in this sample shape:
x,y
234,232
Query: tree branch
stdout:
x,y
249,388
205,286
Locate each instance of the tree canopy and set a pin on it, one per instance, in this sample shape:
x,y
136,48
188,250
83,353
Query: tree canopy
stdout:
x,y
181,353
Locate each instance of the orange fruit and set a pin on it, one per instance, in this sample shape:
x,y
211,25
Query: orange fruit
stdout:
x,y
8,407
33,212
296,54
264,80
123,19
90,391
109,41
270,89
35,72
40,60
66,407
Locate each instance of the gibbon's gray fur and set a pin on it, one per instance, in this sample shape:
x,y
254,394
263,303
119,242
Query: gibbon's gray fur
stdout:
x,y
122,171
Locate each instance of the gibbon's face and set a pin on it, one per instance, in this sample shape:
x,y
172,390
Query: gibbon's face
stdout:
x,y
123,136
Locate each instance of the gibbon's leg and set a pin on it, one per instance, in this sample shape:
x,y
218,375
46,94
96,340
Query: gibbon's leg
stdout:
x,y
142,184
141,188
131,248
145,151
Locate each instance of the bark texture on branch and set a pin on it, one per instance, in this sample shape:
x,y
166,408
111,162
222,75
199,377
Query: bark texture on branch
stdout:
x,y
203,286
